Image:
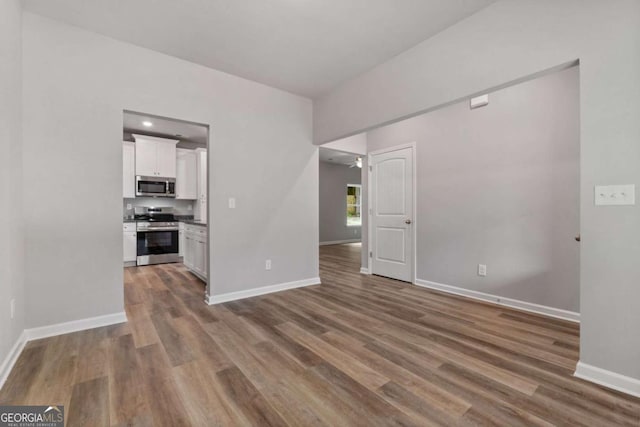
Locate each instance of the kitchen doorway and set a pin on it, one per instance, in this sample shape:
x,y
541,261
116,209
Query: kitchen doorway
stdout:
x,y
165,207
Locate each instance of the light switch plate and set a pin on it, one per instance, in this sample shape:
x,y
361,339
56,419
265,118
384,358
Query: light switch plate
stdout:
x,y
482,270
232,203
615,195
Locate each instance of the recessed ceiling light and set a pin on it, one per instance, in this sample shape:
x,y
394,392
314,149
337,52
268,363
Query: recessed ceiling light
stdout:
x,y
147,124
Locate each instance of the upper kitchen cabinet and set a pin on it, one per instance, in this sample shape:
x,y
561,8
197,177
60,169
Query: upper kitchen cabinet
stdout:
x,y
155,156
128,170
187,175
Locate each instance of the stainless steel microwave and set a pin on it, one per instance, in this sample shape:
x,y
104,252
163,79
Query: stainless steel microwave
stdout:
x,y
153,186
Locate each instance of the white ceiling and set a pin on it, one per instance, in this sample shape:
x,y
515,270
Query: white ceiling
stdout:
x,y
191,135
302,46
337,157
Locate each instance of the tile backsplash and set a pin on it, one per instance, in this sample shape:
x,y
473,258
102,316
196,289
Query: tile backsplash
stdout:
x,y
180,207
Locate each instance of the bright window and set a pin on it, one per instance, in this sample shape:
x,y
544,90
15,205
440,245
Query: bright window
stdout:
x,y
353,205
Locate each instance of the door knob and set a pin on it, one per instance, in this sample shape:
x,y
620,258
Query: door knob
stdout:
x,y
577,238
407,221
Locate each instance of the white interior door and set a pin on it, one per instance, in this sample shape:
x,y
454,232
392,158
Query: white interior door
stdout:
x,y
392,214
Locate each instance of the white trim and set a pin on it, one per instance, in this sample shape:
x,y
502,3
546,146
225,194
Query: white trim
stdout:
x,y
608,379
75,326
11,359
233,296
508,302
370,239
137,136
364,270
339,242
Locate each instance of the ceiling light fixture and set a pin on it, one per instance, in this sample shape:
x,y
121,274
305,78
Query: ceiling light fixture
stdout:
x,y
147,124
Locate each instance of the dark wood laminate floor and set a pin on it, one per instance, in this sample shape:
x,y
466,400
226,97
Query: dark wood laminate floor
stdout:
x,y
357,350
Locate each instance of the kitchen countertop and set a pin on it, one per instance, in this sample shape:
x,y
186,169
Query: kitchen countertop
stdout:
x,y
193,222
185,220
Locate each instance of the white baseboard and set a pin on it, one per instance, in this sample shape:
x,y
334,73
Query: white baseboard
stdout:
x,y
509,302
232,296
364,270
12,358
52,330
74,326
608,379
340,242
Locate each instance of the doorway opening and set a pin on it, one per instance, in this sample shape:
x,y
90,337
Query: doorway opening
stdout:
x,y
165,208
341,201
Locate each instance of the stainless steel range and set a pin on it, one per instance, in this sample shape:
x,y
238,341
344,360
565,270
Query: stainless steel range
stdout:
x,y
157,235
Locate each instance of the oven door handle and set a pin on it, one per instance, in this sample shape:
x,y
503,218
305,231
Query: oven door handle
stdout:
x,y
157,229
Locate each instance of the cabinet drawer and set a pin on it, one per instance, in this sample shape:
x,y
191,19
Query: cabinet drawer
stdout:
x,y
196,229
129,226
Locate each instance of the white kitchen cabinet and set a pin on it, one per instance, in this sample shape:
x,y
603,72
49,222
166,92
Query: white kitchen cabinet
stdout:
x,y
195,251
146,157
128,170
201,202
200,256
186,174
189,249
155,156
129,239
167,159
181,239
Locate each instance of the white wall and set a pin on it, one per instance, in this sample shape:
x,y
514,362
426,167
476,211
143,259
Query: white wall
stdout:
x,y
76,85
499,186
334,179
11,229
509,40
353,144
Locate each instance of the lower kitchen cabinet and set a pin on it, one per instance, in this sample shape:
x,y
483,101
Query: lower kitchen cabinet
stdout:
x,y
181,240
196,249
129,242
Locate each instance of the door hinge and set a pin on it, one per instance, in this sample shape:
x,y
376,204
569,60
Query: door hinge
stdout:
x,y
371,254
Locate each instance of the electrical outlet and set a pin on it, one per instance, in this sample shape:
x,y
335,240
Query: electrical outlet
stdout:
x,y
267,264
482,270
129,207
232,203
12,306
